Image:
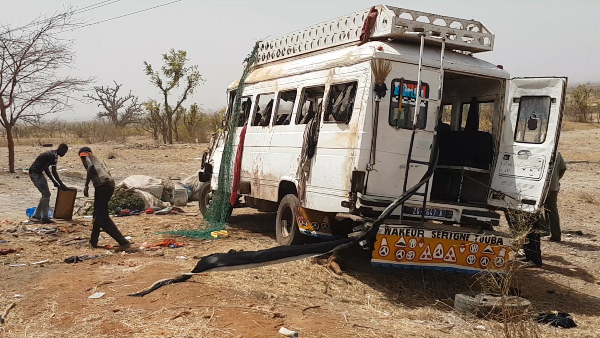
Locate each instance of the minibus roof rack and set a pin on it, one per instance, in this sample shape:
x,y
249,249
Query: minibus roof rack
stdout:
x,y
393,23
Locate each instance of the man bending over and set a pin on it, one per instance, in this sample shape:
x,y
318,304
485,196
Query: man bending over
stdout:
x,y
41,165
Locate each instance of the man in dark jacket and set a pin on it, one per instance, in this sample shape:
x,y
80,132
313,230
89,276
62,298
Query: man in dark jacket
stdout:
x,y
104,186
551,205
40,166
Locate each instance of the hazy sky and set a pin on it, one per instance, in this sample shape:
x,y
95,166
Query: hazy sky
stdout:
x,y
533,38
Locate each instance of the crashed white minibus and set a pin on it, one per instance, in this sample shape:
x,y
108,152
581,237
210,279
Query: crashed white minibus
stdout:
x,y
330,137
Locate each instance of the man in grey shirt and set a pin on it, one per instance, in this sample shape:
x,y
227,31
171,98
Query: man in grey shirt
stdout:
x,y
104,186
551,204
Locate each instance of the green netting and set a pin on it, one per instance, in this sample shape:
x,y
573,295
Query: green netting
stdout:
x,y
219,209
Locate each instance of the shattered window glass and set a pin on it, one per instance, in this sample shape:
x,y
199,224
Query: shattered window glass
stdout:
x,y
312,101
285,105
245,110
532,121
264,108
341,102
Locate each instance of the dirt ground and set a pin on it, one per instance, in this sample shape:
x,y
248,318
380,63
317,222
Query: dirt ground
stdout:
x,y
51,299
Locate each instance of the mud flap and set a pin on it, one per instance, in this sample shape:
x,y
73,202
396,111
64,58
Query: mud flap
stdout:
x,y
315,223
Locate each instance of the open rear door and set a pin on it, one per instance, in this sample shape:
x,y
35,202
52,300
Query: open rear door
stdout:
x,y
533,117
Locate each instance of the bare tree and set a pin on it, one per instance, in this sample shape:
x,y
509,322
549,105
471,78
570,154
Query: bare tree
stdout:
x,y
154,120
30,60
107,98
173,71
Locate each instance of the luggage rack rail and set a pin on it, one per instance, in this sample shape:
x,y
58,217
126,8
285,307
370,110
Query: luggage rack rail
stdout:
x,y
393,23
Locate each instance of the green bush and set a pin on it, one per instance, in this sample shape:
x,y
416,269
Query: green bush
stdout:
x,y
124,199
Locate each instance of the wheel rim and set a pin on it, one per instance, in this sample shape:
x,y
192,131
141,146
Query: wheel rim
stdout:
x,y
207,200
287,222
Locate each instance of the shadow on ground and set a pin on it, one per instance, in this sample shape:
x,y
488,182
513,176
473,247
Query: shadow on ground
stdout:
x,y
416,288
262,223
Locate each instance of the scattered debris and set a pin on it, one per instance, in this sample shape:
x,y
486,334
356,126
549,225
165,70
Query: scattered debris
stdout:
x,y
41,262
287,332
556,319
170,211
180,257
78,259
6,251
126,212
333,265
97,295
74,241
18,296
311,307
171,243
3,316
18,265
488,304
183,313
480,327
219,234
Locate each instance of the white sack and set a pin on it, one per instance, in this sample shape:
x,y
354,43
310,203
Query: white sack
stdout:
x,y
150,201
194,183
146,183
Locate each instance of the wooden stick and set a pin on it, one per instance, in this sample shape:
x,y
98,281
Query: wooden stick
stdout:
x,y
6,312
311,307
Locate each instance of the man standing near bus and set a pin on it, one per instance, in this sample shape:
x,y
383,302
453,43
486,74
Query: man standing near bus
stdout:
x,y
36,173
551,203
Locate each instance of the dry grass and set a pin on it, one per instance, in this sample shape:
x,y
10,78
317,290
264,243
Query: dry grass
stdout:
x,y
588,198
577,126
304,296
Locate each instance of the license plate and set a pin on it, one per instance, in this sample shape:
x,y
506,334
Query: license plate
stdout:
x,y
429,212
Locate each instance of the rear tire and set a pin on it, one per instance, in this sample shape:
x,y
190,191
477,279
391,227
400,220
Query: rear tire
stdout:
x,y
204,198
286,229
486,305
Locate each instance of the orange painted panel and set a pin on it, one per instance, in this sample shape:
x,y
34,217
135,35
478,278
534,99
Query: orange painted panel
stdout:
x,y
429,247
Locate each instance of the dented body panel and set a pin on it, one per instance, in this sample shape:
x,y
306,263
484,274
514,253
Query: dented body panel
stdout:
x,y
272,153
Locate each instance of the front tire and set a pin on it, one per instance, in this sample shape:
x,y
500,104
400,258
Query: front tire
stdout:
x,y
204,198
287,230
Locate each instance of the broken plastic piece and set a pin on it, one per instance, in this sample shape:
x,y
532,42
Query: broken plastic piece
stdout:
x,y
97,295
287,332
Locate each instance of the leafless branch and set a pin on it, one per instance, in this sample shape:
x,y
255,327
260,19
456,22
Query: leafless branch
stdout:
x,y
119,110
32,58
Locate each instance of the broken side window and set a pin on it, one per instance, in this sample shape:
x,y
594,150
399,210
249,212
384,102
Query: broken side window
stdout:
x,y
445,122
532,121
264,107
230,104
341,102
285,105
402,104
312,101
244,110
486,113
